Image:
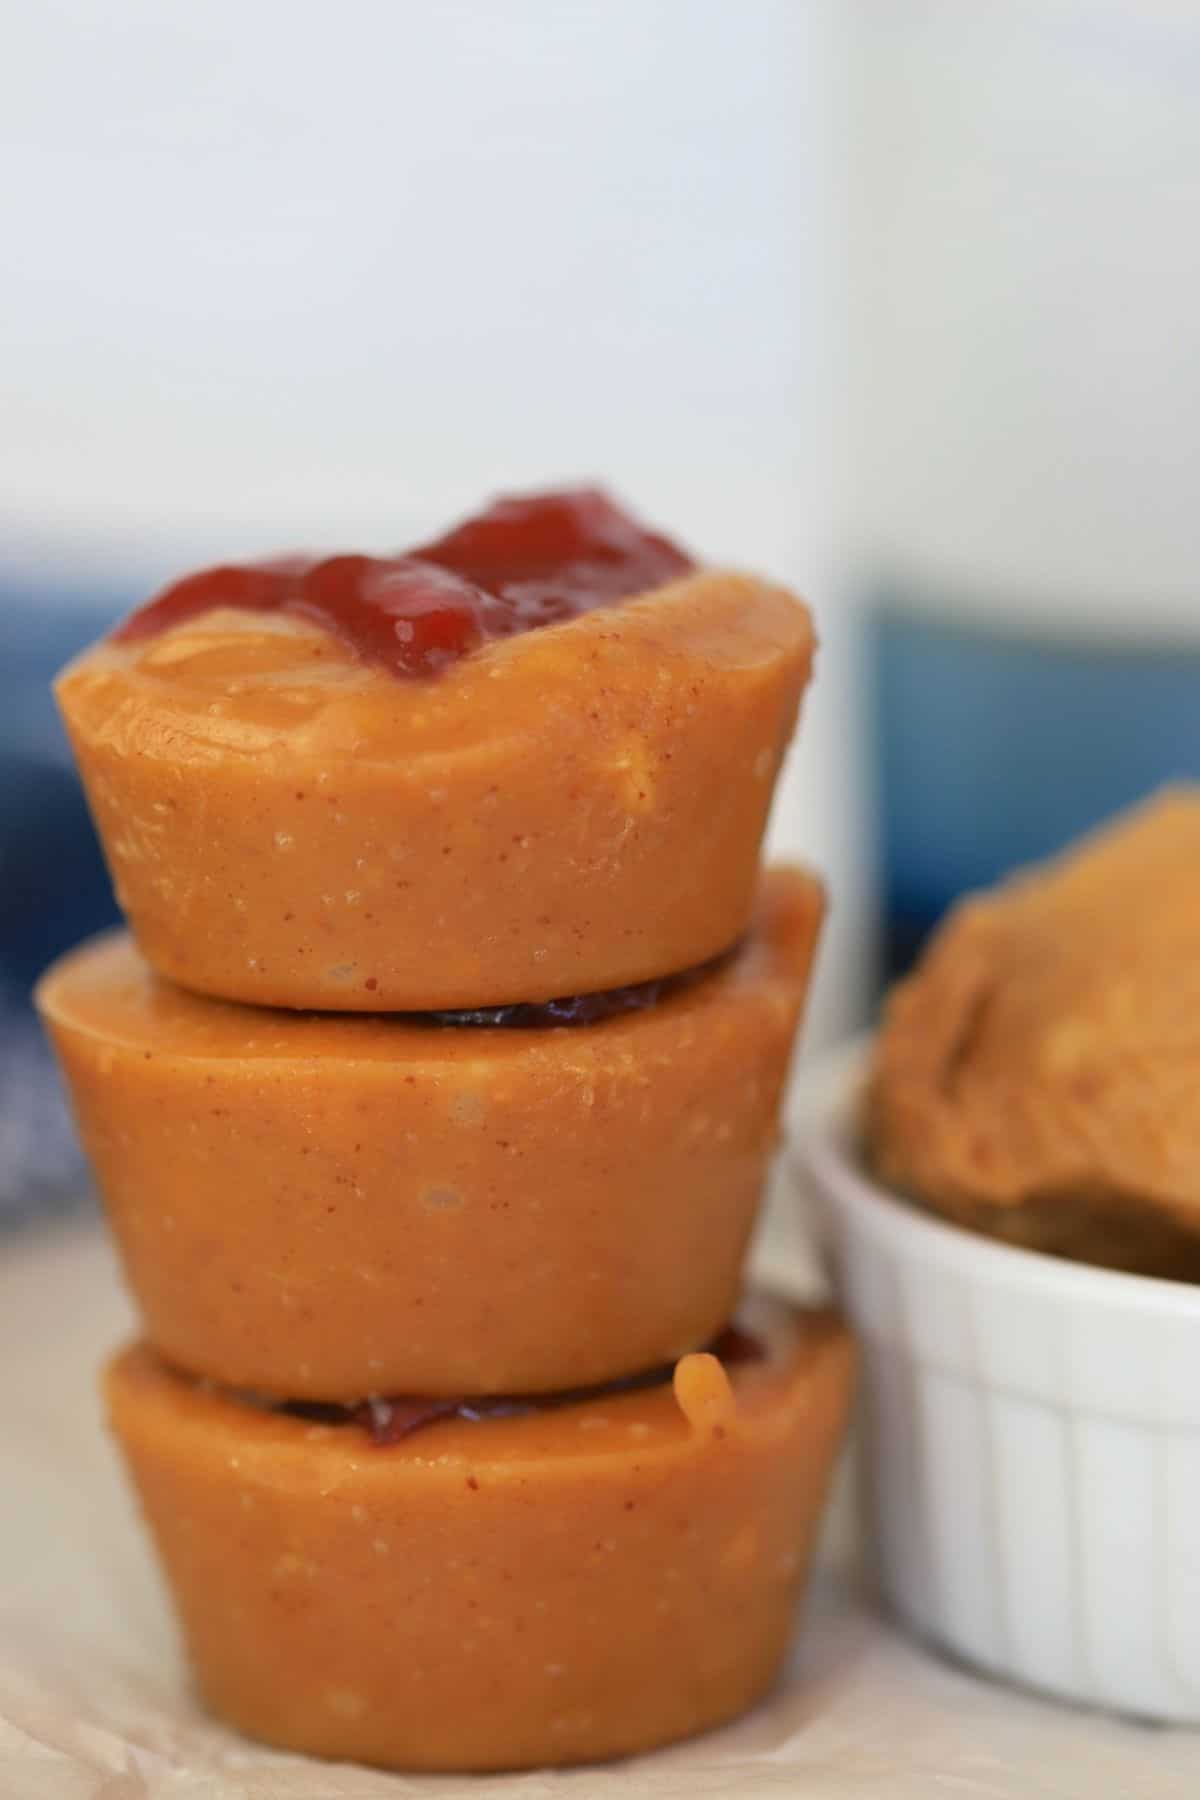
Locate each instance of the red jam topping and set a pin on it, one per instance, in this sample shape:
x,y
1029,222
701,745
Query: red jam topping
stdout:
x,y
538,559
390,1421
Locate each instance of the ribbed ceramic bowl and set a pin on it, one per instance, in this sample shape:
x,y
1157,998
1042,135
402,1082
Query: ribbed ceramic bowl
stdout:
x,y
1033,1439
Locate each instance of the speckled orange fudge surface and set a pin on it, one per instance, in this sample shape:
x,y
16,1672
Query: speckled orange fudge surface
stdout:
x,y
560,812
562,1587
330,1207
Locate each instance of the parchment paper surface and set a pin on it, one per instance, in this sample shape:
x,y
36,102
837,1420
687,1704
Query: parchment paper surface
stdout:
x,y
95,1702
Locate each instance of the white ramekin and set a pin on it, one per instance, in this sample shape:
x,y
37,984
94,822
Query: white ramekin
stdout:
x,y
1032,1430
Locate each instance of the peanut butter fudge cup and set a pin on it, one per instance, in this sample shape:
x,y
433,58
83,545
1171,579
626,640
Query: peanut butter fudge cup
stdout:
x,y
533,758
330,1207
585,1579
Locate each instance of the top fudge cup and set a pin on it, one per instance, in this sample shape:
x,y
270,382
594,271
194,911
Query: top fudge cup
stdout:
x,y
290,820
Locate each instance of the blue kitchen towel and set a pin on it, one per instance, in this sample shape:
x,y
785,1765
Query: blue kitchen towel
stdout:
x,y
53,888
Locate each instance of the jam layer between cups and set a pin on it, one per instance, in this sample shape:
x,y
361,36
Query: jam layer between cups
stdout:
x,y
326,1207
574,1584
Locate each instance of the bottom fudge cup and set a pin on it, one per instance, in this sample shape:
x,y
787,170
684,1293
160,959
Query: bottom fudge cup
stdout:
x,y
590,1578
321,1208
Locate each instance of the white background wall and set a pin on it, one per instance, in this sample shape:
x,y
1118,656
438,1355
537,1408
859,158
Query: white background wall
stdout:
x,y
1026,292
270,263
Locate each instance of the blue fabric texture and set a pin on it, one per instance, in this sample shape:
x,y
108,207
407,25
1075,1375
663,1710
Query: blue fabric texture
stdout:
x,y
54,889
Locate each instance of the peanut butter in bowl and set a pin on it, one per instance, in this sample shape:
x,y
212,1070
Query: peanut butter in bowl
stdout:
x,y
1036,1078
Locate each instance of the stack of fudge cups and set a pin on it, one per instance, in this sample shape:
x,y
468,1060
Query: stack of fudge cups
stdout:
x,y
450,1447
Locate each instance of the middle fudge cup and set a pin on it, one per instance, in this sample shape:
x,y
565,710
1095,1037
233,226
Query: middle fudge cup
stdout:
x,y
323,1207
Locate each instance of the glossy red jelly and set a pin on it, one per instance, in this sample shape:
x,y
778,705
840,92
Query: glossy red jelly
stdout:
x,y
391,1420
531,560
